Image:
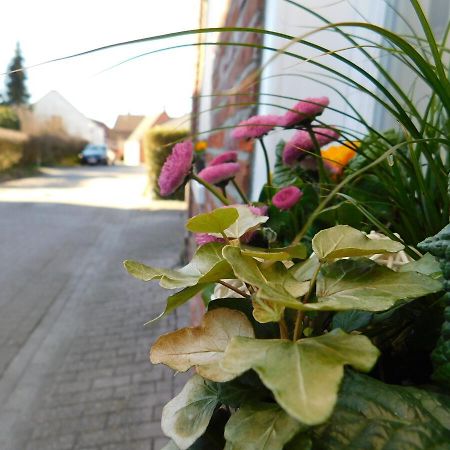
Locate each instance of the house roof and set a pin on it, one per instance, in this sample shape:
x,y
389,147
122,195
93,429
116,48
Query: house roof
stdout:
x,y
126,124
146,123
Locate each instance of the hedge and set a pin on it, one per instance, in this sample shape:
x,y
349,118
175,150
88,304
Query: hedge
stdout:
x,y
9,118
158,144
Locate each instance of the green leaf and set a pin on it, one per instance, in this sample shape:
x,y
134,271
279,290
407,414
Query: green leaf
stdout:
x,y
171,446
276,254
260,426
202,347
343,241
215,221
186,417
304,376
364,285
206,266
178,299
351,320
247,221
428,265
274,282
372,415
305,270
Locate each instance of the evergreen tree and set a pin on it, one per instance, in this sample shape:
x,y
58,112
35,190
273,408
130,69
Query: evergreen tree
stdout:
x,y
16,90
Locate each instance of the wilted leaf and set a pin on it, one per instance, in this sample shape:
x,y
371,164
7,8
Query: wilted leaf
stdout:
x,y
364,285
207,266
215,221
342,241
276,254
186,417
372,415
260,426
202,346
304,376
247,221
428,265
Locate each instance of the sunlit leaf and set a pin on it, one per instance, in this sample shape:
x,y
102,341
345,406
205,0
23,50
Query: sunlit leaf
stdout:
x,y
247,221
202,346
215,221
207,266
260,426
364,285
342,241
276,254
186,417
428,265
305,270
304,376
266,311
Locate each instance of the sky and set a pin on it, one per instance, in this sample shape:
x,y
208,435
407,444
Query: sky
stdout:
x,y
49,29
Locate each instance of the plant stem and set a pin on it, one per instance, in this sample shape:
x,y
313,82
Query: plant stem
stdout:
x,y
283,329
240,191
235,289
266,158
211,189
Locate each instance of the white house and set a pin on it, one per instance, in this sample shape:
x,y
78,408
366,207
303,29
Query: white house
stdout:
x,y
53,107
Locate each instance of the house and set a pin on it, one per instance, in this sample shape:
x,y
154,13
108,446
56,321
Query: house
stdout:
x,y
54,113
133,145
124,126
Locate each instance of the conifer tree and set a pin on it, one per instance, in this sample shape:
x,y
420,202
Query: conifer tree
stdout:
x,y
16,90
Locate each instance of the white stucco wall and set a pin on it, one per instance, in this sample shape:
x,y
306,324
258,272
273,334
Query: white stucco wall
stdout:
x,y
75,123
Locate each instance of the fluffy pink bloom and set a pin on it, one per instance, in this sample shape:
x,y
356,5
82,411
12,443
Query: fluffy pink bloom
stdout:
x,y
205,238
220,172
305,109
287,197
225,157
259,210
301,143
255,127
176,168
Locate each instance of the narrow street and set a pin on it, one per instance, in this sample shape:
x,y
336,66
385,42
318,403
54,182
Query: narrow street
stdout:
x,y
74,368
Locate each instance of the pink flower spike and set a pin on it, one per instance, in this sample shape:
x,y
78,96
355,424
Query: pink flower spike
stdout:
x,y
303,110
301,144
176,168
287,197
205,238
220,172
255,127
231,156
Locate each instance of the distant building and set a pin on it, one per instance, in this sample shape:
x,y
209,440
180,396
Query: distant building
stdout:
x,y
54,113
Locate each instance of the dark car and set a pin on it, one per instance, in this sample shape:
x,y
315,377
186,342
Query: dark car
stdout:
x,y
96,155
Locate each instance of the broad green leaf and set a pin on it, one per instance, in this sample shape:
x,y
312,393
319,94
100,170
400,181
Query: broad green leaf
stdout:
x,y
304,376
305,270
343,241
207,266
186,417
428,265
202,347
260,426
274,282
247,221
276,254
372,415
180,298
364,285
351,320
266,311
215,221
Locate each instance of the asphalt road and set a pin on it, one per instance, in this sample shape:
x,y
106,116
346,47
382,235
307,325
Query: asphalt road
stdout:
x,y
74,370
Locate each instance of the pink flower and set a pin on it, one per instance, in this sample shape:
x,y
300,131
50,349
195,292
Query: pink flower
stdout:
x,y
255,127
304,109
176,168
220,172
301,143
259,210
226,157
205,238
287,197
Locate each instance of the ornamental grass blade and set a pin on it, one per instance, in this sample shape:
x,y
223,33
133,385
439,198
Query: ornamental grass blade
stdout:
x,y
304,376
204,346
260,426
343,241
186,417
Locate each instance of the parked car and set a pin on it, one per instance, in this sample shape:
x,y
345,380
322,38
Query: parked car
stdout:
x,y
97,155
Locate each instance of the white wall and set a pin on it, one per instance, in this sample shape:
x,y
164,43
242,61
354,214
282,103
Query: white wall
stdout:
x,y
75,123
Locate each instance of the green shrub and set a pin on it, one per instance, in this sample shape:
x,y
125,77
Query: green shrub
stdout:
x,y
11,151
51,150
8,118
158,144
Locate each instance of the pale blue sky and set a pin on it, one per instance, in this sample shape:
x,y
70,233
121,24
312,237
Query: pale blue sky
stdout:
x,y
48,29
